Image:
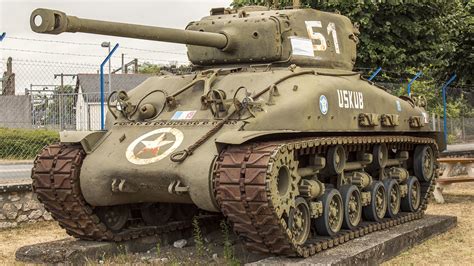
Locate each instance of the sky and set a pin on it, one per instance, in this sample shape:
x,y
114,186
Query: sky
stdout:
x,y
15,15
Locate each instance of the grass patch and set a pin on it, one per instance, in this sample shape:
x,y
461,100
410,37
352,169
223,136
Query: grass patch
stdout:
x,y
22,144
228,249
198,239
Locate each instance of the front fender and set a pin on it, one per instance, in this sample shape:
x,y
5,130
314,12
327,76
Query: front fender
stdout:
x,y
240,137
87,139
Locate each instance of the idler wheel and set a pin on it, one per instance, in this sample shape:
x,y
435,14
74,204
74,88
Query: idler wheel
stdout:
x,y
352,206
114,217
423,163
330,222
375,211
156,213
299,221
393,197
412,201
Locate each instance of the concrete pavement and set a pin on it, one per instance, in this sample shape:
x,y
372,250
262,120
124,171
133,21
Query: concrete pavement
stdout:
x,y
15,172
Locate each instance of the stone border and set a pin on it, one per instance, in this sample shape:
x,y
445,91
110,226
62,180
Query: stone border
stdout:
x,y
371,249
75,251
19,205
375,248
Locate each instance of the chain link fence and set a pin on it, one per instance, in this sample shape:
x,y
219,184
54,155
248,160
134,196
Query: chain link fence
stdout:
x,y
53,97
44,98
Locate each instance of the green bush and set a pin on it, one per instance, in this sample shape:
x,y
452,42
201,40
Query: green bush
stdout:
x,y
18,144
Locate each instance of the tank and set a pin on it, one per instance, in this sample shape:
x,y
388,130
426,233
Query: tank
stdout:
x,y
274,131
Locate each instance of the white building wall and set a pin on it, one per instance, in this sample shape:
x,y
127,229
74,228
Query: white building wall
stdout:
x,y
81,112
87,113
94,116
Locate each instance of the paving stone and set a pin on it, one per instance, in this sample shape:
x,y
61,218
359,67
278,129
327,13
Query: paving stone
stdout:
x,y
14,197
31,205
10,210
47,216
36,214
8,224
22,218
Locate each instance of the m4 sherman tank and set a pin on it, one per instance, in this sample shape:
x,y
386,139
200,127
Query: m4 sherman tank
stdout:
x,y
274,130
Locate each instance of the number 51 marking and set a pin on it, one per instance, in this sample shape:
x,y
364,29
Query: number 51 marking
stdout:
x,y
319,37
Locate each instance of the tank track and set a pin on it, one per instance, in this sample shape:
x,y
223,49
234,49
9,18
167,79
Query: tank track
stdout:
x,y
56,183
241,176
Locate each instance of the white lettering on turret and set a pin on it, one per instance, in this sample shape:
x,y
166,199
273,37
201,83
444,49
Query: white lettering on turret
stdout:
x,y
350,99
319,40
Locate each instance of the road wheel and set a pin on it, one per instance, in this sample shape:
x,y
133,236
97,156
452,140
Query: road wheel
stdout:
x,y
352,206
411,202
375,211
393,197
299,221
330,222
156,213
114,217
423,163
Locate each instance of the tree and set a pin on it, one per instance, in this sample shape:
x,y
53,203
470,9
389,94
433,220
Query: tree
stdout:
x,y
403,37
149,68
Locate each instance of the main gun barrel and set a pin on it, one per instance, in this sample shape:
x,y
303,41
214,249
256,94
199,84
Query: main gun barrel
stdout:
x,y
55,22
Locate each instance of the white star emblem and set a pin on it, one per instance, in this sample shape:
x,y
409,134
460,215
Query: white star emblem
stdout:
x,y
151,151
153,146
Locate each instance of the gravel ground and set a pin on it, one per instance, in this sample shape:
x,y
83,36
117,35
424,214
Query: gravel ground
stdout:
x,y
455,247
27,234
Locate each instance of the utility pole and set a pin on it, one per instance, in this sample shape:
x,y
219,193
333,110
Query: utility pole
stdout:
x,y
8,79
107,45
123,63
60,97
125,66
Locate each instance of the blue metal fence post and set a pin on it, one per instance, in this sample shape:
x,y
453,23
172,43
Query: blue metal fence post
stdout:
x,y
102,96
375,73
445,86
413,80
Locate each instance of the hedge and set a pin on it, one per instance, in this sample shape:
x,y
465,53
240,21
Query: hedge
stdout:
x,y
21,144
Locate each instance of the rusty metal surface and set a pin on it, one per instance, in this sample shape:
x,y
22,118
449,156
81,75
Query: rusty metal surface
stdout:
x,y
241,184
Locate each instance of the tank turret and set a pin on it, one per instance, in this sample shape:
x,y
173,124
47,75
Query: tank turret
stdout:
x,y
305,37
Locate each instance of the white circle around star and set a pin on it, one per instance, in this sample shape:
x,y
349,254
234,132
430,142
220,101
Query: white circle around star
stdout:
x,y
151,150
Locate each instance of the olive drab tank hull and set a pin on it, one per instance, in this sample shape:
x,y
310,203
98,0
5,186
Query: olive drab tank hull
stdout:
x,y
273,130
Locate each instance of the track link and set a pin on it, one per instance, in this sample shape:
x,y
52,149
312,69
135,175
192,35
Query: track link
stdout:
x,y
56,182
241,179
